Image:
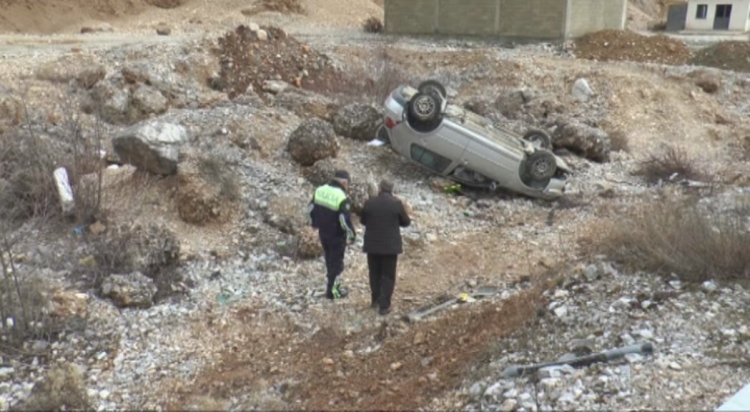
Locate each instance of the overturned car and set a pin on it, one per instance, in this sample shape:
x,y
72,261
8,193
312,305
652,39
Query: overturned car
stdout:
x,y
466,147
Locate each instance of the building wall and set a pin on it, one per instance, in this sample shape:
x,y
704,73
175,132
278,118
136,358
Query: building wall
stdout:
x,y
737,22
529,19
586,16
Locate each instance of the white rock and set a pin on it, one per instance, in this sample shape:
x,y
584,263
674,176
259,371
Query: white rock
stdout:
x,y
645,334
675,366
509,405
581,90
262,35
561,311
253,27
709,286
275,86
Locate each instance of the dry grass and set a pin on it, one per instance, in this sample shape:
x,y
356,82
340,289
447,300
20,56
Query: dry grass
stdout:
x,y
671,163
619,141
675,236
280,6
373,25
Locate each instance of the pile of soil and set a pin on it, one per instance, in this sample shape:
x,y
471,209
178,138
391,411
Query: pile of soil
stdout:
x,y
729,55
51,16
616,45
246,58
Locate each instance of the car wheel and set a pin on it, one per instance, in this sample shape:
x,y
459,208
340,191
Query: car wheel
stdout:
x,y
539,138
423,112
433,86
541,166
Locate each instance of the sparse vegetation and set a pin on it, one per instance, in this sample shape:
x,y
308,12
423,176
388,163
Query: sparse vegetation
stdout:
x,y
670,163
619,141
373,25
280,6
676,236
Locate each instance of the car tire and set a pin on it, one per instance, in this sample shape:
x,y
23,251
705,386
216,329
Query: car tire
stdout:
x,y
423,112
433,86
539,138
540,167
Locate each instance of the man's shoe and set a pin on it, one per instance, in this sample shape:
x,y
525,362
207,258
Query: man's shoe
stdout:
x,y
339,291
383,312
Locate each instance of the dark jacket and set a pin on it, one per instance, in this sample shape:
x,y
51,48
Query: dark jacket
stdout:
x,y
330,213
383,216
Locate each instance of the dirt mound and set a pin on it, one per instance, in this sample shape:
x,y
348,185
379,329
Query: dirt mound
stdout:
x,y
615,45
729,55
50,16
257,58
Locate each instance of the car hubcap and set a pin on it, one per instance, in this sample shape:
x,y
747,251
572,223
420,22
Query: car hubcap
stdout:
x,y
424,107
542,167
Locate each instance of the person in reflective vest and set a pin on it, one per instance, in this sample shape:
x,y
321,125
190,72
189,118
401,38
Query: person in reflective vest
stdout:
x,y
330,213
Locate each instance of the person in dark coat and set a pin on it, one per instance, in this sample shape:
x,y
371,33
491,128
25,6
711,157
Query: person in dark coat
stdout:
x,y
383,216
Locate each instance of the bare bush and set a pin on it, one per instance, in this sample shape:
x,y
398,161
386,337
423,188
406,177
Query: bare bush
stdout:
x,y
23,300
28,158
619,141
382,75
670,163
62,388
373,25
675,236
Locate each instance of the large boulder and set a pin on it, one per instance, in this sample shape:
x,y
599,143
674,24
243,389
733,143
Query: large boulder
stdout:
x,y
147,249
207,188
304,104
590,142
357,121
313,140
133,290
111,101
152,145
146,102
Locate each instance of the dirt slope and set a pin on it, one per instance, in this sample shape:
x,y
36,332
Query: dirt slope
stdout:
x,y
40,16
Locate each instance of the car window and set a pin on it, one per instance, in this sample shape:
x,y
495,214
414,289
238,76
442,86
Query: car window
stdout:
x,y
429,158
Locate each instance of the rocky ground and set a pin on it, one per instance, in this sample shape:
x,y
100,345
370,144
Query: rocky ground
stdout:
x,y
198,275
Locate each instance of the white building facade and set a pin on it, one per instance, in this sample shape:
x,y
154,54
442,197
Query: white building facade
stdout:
x,y
720,15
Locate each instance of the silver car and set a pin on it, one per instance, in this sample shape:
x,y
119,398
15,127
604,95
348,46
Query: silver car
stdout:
x,y
467,148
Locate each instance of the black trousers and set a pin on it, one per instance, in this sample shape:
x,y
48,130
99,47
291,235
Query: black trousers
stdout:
x,y
333,252
382,270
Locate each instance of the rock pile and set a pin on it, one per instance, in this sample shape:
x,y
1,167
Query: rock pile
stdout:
x,y
728,55
617,45
251,57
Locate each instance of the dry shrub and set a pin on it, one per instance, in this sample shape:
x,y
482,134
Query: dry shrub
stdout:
x,y
62,388
382,76
166,4
280,6
675,236
28,159
619,141
216,172
669,164
373,25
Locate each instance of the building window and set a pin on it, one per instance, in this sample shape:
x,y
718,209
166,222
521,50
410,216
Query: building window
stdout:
x,y
429,158
702,11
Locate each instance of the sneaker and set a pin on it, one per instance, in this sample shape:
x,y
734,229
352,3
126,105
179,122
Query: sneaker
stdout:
x,y
339,291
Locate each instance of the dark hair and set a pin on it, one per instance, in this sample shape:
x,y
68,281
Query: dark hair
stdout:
x,y
386,185
341,174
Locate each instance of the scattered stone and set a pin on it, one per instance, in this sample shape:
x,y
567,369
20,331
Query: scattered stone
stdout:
x,y
132,290
207,187
275,86
592,143
153,146
146,102
162,29
262,35
396,366
709,286
357,121
581,90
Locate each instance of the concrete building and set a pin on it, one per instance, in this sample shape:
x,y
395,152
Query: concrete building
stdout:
x,y
521,19
731,15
